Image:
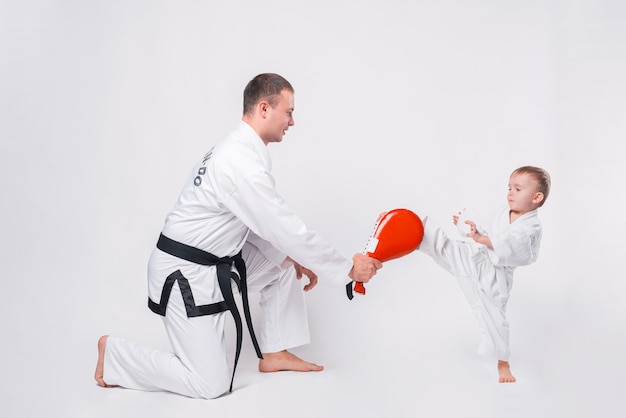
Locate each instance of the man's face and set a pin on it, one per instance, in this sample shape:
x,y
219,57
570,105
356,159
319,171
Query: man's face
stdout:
x,y
279,118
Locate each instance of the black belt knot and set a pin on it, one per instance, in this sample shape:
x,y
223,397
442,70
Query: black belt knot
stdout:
x,y
224,276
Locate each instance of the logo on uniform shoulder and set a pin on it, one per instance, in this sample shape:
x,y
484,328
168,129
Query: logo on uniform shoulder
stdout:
x,y
202,170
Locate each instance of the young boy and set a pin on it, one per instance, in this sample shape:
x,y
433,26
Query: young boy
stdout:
x,y
484,265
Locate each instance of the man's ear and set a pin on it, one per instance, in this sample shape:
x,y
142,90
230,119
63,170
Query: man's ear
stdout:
x,y
263,107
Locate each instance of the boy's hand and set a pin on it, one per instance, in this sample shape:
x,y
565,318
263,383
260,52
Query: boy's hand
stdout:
x,y
477,236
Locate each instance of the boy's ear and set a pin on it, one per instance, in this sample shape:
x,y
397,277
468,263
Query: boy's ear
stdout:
x,y
538,198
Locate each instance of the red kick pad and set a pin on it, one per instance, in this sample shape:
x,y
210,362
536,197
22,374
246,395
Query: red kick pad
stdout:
x,y
397,233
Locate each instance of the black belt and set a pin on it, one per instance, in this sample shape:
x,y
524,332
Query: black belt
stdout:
x,y
224,276
349,292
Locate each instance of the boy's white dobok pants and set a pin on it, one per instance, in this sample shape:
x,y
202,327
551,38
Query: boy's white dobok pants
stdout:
x,y
476,276
197,366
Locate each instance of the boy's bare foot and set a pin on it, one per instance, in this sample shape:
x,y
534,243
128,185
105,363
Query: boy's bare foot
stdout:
x,y
102,342
284,360
504,370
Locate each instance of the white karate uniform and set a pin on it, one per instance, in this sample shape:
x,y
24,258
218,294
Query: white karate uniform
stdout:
x,y
229,204
485,275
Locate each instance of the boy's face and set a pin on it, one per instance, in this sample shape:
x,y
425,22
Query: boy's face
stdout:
x,y
524,194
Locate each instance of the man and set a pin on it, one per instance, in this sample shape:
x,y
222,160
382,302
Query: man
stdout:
x,y
227,213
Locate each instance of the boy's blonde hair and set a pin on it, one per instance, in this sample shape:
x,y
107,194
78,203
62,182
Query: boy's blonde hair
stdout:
x,y
542,177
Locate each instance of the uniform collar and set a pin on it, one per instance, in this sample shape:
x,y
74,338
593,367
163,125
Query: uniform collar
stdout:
x,y
528,215
254,140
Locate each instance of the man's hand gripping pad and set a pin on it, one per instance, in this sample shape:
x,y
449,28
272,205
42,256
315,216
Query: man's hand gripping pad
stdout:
x,y
397,233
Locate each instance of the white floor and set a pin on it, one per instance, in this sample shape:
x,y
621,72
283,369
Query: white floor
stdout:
x,y
411,355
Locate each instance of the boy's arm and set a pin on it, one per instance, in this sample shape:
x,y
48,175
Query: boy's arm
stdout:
x,y
517,248
477,236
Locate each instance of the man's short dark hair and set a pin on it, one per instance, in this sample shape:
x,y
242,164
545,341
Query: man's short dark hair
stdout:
x,y
267,86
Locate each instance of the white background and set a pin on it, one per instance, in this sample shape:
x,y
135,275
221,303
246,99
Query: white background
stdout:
x,y
106,105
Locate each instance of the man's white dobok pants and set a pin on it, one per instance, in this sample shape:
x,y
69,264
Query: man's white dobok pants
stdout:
x,y
197,366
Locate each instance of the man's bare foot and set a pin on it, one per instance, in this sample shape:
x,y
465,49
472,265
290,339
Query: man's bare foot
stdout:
x,y
284,360
102,342
504,370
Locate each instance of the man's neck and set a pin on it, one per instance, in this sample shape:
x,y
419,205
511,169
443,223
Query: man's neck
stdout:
x,y
251,121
